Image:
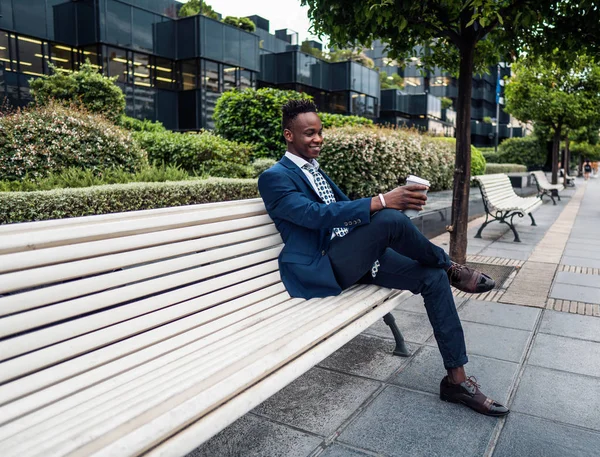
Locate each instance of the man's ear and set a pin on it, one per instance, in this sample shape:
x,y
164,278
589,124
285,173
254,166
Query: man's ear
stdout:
x,y
288,135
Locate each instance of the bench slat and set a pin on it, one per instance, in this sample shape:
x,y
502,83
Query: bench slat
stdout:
x,y
273,349
17,242
51,256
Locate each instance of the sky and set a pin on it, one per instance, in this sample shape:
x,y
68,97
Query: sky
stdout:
x,y
281,14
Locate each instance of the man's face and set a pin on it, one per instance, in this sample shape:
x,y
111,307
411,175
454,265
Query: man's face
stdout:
x,y
305,136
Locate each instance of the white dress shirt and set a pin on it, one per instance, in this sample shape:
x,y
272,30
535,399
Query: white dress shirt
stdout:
x,y
301,162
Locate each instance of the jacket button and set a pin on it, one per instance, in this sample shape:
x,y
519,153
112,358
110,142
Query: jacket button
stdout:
x,y
359,221
345,224
322,252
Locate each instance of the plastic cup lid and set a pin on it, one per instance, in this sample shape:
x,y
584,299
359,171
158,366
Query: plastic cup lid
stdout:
x,y
417,180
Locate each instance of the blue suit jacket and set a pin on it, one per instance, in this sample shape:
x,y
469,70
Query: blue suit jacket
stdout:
x,y
305,223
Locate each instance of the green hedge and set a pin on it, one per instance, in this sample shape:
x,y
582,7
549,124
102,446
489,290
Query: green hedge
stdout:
x,y
40,140
528,151
339,120
477,159
194,153
138,125
492,168
62,203
254,116
366,161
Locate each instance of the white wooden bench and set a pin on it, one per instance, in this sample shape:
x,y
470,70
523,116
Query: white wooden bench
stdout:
x,y
148,332
502,204
545,188
567,179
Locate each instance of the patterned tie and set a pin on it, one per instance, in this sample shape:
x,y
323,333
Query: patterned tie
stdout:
x,y
326,194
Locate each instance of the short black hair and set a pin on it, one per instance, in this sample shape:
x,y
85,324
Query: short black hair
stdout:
x,y
293,108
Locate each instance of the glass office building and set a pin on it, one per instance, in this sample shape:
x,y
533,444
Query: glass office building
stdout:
x,y
419,83
171,70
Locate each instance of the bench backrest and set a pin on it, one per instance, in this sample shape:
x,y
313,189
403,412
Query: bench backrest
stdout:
x,y
495,188
129,274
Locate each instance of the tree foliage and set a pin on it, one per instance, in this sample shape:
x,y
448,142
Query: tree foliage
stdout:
x,y
85,87
461,36
240,22
192,7
393,81
559,97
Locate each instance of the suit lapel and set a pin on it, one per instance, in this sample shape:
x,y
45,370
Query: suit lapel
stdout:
x,y
295,169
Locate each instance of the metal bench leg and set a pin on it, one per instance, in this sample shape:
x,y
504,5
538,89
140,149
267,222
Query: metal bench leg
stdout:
x,y
512,227
532,219
550,194
401,349
556,194
478,235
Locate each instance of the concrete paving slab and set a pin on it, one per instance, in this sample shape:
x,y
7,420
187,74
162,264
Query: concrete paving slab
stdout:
x,y
582,252
575,293
491,341
415,304
426,370
499,314
414,327
367,356
580,261
534,437
558,395
402,423
342,451
571,325
567,354
578,279
252,436
319,401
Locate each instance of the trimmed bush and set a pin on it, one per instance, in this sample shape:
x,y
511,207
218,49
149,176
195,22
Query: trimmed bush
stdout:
x,y
260,165
40,140
254,116
137,125
339,120
62,203
193,152
492,168
86,87
528,151
477,159
366,161
75,177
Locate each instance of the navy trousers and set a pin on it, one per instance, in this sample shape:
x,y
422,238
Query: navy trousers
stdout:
x,y
409,261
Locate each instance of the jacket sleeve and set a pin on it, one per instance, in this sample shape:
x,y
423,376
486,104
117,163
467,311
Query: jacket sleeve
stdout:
x,y
283,200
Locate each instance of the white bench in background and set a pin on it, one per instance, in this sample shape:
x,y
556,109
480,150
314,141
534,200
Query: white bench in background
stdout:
x,y
545,188
148,332
502,204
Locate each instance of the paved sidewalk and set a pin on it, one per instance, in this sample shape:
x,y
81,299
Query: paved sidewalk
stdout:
x,y
534,344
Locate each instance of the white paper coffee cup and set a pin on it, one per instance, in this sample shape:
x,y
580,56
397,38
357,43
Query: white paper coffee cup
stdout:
x,y
415,180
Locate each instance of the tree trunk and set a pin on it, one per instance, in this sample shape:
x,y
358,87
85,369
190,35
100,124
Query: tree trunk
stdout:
x,y
567,159
555,151
462,168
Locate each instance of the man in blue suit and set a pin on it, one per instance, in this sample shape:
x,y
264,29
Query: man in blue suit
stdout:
x,y
332,242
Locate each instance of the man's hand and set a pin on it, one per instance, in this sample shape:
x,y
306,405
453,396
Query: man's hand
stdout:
x,y
405,197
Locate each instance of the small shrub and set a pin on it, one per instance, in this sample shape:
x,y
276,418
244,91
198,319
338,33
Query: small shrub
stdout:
x,y
191,151
240,22
490,155
366,161
137,125
86,87
260,165
218,168
477,158
528,151
62,203
339,120
492,168
254,116
49,139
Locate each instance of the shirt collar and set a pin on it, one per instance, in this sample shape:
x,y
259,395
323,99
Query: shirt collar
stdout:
x,y
300,162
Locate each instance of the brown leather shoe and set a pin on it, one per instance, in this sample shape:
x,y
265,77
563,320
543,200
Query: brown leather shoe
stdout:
x,y
469,280
468,394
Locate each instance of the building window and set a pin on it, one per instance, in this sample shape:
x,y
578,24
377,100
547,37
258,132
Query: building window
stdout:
x,y
359,104
5,54
229,78
31,57
141,70
440,81
245,79
62,58
91,53
116,60
164,73
189,74
413,81
211,76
